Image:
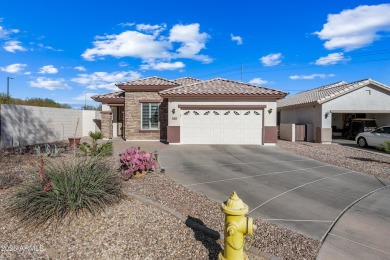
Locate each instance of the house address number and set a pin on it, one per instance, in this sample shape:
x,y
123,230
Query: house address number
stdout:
x,y
174,118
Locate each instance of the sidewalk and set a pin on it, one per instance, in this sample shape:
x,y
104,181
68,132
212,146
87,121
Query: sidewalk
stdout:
x,y
362,232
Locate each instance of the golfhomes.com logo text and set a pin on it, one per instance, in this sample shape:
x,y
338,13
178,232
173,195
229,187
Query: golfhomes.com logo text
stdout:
x,y
21,248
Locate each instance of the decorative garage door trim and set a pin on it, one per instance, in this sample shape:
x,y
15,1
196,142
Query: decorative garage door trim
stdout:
x,y
222,107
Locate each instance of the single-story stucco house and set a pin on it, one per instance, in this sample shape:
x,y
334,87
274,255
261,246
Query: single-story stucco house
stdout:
x,y
327,109
191,111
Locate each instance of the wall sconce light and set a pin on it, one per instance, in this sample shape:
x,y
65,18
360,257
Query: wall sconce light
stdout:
x,y
173,111
327,114
270,111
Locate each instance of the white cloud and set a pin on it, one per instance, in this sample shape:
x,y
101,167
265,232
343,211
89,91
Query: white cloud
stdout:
x,y
105,80
258,81
126,24
153,29
123,64
50,84
237,39
272,59
48,69
85,96
147,44
331,59
41,45
13,46
80,68
163,66
128,44
355,28
312,76
4,33
14,68
192,41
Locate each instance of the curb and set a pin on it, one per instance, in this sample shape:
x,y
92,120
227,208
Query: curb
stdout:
x,y
192,224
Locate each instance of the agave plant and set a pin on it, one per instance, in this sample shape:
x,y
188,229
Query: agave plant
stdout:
x,y
133,161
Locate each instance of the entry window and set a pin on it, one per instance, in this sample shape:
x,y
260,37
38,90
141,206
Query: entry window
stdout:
x,y
149,116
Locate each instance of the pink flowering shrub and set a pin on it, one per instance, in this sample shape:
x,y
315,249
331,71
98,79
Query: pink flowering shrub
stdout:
x,y
133,161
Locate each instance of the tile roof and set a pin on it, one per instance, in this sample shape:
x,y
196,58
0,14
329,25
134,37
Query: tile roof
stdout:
x,y
111,95
187,81
218,87
150,81
325,93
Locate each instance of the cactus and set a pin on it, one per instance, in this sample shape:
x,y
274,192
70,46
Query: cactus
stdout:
x,y
56,152
134,161
22,150
37,150
47,149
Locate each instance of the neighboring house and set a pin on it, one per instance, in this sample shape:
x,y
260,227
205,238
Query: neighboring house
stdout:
x,y
327,109
191,111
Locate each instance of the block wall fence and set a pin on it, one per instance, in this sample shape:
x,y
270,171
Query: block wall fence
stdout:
x,y
29,125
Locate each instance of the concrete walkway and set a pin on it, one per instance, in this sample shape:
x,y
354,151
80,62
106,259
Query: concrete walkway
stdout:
x,y
293,191
363,232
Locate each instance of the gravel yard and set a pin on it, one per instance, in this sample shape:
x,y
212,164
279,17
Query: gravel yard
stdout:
x,y
344,156
127,230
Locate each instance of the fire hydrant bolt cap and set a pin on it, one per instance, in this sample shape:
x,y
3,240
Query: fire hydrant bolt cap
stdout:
x,y
234,206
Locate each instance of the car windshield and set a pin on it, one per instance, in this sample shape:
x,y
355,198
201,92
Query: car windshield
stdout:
x,y
379,131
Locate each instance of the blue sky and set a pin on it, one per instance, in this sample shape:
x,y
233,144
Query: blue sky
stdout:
x,y
69,50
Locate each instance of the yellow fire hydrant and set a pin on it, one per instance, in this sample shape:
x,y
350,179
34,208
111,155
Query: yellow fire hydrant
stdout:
x,y
237,226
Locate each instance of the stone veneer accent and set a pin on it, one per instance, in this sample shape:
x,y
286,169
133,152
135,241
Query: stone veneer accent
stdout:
x,y
132,119
106,124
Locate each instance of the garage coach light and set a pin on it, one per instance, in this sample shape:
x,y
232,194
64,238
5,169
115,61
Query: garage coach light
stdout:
x,y
173,111
327,114
270,111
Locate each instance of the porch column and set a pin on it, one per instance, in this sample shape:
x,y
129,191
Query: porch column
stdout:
x,y
106,124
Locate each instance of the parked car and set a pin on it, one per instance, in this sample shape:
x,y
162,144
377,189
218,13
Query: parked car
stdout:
x,y
358,125
374,138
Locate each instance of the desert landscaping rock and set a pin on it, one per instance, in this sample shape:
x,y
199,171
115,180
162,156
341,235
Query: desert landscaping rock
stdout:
x,y
128,230
347,157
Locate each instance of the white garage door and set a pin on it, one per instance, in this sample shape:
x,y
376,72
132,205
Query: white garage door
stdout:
x,y
221,126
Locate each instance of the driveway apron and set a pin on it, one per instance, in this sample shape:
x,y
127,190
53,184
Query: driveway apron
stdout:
x,y
289,190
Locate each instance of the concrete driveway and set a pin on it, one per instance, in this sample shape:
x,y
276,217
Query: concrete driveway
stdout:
x,y
290,190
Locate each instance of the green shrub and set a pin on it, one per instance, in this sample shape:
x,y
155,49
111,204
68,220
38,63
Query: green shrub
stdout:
x,y
96,135
385,146
95,149
67,189
105,149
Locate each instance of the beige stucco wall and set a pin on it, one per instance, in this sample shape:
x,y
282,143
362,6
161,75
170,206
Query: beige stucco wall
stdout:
x,y
382,119
173,103
28,125
306,115
369,98
287,132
